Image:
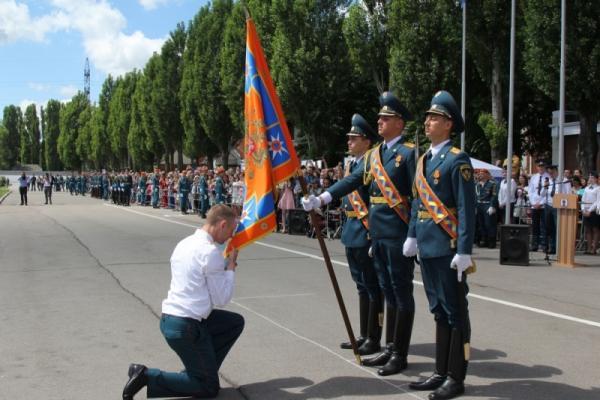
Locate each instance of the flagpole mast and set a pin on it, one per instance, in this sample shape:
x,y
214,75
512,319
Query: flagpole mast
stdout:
x,y
329,265
463,88
511,101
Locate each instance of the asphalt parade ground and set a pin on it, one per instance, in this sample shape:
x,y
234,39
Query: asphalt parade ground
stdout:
x,y
81,285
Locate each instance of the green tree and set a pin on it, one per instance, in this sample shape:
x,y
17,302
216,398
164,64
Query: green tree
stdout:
x,y
310,67
4,153
542,63
69,130
51,127
84,137
425,52
366,35
32,128
196,142
119,117
11,120
100,150
136,138
167,91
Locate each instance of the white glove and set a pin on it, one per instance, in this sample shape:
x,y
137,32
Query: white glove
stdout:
x,y
460,263
491,211
370,252
409,249
310,203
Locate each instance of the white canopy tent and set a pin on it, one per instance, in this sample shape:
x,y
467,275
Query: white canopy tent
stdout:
x,y
496,172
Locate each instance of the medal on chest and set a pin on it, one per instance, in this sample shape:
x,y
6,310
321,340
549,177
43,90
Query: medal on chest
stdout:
x,y
436,176
398,160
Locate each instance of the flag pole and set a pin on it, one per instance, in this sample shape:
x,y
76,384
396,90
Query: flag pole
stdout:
x,y
463,85
334,282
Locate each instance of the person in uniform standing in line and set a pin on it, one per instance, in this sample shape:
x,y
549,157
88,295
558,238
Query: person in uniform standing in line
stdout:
x,y
548,191
200,334
442,229
389,173
203,190
355,238
155,187
219,186
23,185
184,190
487,204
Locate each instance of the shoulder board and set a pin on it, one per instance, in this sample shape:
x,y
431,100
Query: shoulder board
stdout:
x,y
455,150
409,145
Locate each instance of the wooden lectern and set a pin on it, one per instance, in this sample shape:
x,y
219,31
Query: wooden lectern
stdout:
x,y
566,208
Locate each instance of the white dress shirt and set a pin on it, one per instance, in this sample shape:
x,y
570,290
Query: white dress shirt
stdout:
x,y
436,149
199,280
503,192
537,183
590,198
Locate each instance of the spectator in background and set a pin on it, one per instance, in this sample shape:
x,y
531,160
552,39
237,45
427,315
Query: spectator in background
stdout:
x,y
522,201
48,182
590,201
286,203
504,198
23,184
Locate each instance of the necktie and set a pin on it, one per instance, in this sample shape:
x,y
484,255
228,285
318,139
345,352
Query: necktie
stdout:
x,y
540,185
553,188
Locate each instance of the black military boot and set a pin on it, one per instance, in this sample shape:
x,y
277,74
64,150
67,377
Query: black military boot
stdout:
x,y
453,386
402,333
442,348
363,310
373,343
383,357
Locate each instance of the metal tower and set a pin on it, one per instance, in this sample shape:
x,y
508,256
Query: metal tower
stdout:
x,y
86,79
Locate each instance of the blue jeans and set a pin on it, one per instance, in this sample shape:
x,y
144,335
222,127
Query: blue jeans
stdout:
x,y
202,347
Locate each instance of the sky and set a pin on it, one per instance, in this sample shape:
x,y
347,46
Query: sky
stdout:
x,y
44,43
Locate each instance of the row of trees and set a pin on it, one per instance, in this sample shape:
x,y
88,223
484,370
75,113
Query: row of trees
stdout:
x,y
329,59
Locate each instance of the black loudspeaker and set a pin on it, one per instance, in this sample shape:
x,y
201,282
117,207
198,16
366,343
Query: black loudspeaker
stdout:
x,y
297,223
514,244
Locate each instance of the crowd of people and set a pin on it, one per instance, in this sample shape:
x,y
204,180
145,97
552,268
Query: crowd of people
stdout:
x,y
197,190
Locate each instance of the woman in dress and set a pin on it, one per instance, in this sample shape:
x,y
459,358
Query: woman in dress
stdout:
x,y
286,203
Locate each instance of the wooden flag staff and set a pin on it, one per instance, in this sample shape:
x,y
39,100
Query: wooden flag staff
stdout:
x,y
334,282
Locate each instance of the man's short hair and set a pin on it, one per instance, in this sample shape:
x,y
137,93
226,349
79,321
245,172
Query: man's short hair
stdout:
x,y
220,212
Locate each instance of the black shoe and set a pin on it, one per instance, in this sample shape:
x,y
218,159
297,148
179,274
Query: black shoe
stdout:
x,y
137,380
448,390
380,359
369,347
348,345
431,383
395,365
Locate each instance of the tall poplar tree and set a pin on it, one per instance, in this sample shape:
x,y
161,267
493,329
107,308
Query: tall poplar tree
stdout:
x,y
70,126
11,120
32,128
51,120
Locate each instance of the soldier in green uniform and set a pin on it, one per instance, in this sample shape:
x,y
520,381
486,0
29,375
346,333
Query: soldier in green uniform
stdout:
x,y
388,173
203,191
219,186
487,204
441,230
155,187
184,189
355,237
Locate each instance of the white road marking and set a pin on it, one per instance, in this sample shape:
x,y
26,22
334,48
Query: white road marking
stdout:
x,y
472,295
317,344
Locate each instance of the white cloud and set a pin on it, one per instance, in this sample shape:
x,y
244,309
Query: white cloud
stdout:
x,y
68,90
152,4
39,87
99,23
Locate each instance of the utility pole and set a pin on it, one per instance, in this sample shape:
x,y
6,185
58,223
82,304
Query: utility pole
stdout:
x,y
86,79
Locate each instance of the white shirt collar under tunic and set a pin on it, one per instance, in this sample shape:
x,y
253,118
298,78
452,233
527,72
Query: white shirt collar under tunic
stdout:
x,y
436,149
